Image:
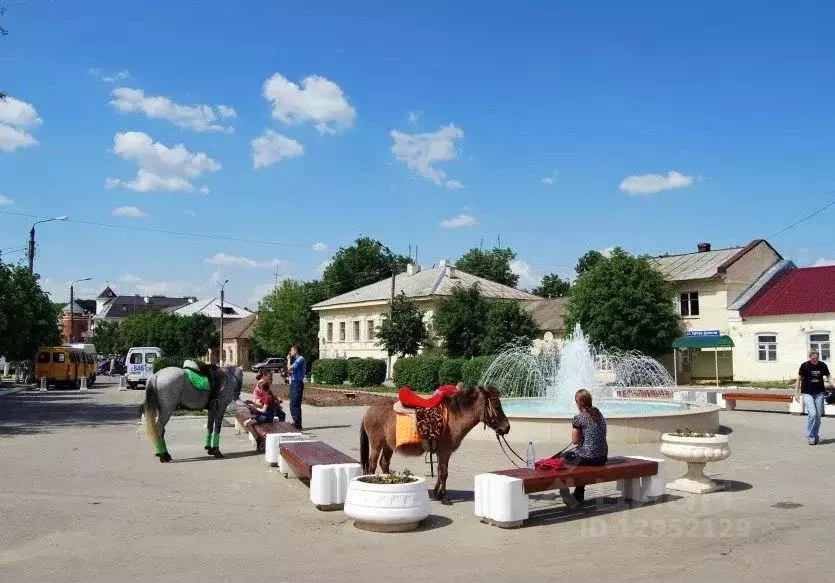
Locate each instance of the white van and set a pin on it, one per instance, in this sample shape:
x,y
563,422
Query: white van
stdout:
x,y
140,364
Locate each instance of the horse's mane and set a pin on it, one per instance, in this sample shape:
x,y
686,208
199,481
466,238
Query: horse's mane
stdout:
x,y
463,400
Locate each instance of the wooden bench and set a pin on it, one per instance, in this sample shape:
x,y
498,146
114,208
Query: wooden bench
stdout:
x,y
501,498
730,399
328,469
262,429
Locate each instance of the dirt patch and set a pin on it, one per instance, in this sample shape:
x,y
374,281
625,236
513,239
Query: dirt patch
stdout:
x,y
330,398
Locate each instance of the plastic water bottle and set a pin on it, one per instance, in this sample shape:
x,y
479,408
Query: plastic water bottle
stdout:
x,y
530,457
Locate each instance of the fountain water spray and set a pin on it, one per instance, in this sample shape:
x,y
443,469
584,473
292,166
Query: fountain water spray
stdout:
x,y
555,374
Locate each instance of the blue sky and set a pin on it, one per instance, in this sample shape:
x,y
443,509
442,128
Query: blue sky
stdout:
x,y
558,126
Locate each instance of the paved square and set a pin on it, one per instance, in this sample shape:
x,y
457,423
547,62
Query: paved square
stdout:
x,y
84,499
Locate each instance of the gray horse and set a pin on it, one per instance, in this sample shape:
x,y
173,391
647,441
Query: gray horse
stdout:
x,y
170,387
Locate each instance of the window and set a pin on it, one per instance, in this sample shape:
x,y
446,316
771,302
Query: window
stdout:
x,y
356,331
329,334
150,357
689,302
136,358
371,332
58,357
229,311
820,341
767,347
342,331
44,357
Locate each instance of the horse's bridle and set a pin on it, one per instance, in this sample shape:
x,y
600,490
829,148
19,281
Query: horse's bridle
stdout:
x,y
490,414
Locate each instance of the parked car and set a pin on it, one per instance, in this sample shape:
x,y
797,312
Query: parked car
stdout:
x,y
274,364
140,364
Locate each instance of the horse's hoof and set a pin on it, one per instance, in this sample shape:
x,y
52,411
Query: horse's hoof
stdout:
x,y
208,448
216,452
446,501
164,457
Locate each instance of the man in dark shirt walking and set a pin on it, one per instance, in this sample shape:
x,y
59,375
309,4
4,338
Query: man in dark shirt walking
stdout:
x,y
811,384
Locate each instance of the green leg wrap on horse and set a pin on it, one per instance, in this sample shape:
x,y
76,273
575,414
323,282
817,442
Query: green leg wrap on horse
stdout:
x,y
215,439
208,441
160,446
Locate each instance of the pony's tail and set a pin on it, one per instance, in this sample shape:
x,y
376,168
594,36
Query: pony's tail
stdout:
x,y
363,448
151,409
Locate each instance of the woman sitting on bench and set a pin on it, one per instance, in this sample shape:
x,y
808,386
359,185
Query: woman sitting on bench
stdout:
x,y
588,434
265,406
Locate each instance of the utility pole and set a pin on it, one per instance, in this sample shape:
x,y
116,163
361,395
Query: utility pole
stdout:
x,y
276,275
222,297
32,241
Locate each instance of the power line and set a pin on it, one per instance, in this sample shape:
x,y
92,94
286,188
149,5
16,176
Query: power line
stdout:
x,y
807,217
167,232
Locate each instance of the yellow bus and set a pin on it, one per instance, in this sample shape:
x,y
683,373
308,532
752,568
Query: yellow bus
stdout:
x,y
64,366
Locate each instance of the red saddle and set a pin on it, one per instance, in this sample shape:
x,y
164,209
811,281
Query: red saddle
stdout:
x,y
409,398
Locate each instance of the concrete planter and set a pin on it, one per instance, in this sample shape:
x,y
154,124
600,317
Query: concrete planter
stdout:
x,y
695,452
387,507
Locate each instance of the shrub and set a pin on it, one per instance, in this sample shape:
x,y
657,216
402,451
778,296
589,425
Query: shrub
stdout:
x,y
418,372
450,372
474,369
330,371
366,372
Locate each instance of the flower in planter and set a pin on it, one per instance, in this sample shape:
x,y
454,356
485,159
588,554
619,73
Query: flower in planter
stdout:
x,y
690,433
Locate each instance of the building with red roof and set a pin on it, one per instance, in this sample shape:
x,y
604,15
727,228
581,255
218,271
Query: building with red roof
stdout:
x,y
785,315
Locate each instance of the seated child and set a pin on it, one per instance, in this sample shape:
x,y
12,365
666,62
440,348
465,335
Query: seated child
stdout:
x,y
264,407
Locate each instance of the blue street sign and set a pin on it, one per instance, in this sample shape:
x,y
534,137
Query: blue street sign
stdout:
x,y
702,333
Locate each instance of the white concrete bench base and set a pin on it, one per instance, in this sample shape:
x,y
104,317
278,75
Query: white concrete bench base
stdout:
x,y
329,484
285,468
501,500
646,489
274,441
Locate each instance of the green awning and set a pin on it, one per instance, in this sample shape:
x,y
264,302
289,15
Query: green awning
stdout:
x,y
703,342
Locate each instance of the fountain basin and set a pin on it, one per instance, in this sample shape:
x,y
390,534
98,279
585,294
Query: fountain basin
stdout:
x,y
628,421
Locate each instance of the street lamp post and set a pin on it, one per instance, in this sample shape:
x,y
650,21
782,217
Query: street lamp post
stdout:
x,y
32,240
71,335
220,351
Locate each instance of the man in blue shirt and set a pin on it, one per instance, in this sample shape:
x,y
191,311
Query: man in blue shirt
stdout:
x,y
298,368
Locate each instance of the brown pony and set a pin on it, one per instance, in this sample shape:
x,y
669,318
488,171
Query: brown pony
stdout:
x,y
465,409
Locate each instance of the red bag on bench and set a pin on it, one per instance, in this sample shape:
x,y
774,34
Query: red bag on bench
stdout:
x,y
549,464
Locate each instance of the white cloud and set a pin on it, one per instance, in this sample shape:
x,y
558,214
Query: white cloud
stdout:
x,y
154,288
420,151
260,291
129,278
528,277
413,117
15,117
204,190
160,167
319,101
216,275
607,252
189,212
653,183
128,211
323,266
238,261
111,78
824,262
462,220
320,247
549,180
272,147
225,111
5,200
200,118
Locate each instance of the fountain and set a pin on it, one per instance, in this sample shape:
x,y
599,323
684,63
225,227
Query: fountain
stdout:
x,y
538,392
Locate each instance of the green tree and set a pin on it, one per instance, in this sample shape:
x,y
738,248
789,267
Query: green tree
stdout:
x,y
460,320
285,318
588,261
624,302
106,338
507,323
366,261
402,330
27,317
493,265
186,336
552,286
